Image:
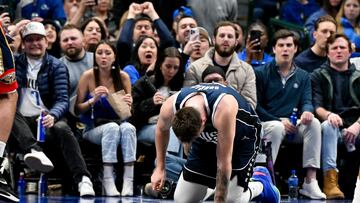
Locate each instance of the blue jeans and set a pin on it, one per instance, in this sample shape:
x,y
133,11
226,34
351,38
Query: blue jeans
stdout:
x,y
174,165
330,138
146,135
110,136
174,157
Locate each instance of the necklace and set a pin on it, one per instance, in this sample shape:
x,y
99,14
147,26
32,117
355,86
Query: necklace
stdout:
x,y
106,82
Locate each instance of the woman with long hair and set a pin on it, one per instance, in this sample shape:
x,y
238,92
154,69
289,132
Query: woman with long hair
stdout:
x,y
103,125
348,20
94,31
149,93
143,57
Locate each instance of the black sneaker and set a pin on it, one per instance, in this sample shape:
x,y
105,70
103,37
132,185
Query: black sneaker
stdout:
x,y
6,193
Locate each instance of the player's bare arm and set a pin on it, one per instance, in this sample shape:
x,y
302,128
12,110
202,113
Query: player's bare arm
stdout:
x,y
225,123
161,141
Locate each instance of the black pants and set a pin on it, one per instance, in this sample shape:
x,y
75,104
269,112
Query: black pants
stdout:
x,y
58,139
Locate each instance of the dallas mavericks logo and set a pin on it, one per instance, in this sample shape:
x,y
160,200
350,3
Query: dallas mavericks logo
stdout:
x,y
296,85
209,136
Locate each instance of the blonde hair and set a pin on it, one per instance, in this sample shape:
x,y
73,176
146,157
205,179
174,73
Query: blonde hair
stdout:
x,y
341,14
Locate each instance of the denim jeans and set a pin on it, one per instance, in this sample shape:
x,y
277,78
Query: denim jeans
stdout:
x,y
174,156
146,135
174,165
110,136
330,138
58,138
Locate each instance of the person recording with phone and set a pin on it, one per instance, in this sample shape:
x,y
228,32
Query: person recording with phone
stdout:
x,y
256,43
199,42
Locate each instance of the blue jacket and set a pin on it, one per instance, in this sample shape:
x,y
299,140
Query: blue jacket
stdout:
x,y
295,12
132,72
349,31
125,43
53,83
47,9
276,100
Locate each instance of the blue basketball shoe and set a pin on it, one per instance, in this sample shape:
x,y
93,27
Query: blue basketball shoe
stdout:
x,y
270,193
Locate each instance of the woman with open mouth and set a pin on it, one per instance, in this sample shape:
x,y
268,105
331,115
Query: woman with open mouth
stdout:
x,y
143,58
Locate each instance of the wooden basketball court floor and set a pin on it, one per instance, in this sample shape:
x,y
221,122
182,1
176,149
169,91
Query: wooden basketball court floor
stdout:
x,y
138,199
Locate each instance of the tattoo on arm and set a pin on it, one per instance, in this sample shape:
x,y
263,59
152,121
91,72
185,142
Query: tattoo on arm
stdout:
x,y
222,182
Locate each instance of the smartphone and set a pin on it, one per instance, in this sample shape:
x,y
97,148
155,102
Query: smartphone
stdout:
x,y
194,34
255,34
4,9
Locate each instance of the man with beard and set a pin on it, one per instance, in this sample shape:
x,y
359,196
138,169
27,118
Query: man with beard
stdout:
x,y
239,74
77,61
282,87
75,57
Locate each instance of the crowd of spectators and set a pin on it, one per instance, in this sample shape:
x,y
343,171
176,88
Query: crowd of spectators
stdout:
x,y
71,55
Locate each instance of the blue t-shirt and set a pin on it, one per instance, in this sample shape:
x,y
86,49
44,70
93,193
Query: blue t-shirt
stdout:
x,y
133,73
267,58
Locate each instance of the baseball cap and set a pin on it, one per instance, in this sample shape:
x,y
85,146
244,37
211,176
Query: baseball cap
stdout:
x,y
203,32
33,28
185,10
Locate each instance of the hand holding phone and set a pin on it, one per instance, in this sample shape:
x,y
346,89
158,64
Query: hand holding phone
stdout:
x,y
255,34
194,34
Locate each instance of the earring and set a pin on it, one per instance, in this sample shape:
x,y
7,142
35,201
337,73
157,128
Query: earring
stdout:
x,y
113,67
95,67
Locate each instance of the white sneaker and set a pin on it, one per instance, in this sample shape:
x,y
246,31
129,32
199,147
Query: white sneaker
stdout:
x,y
86,187
312,190
37,160
127,188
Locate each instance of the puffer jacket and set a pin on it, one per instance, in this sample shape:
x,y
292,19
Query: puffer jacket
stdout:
x,y
239,76
53,83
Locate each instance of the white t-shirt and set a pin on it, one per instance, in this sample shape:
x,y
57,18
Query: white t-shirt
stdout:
x,y
30,101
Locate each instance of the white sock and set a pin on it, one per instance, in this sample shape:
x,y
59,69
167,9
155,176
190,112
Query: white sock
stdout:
x,y
256,188
129,172
109,181
108,171
2,148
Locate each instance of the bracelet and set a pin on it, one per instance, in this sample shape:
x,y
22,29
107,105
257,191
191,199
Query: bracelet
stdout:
x,y
90,103
358,121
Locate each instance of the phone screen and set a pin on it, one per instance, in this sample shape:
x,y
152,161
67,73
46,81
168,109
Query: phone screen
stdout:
x,y
255,34
194,34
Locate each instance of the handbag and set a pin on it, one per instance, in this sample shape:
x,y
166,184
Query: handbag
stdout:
x,y
121,108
